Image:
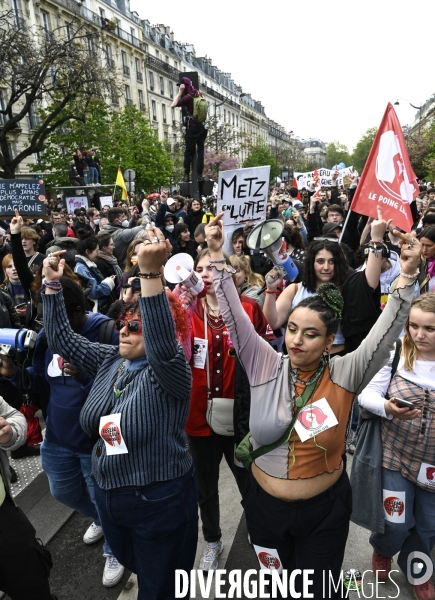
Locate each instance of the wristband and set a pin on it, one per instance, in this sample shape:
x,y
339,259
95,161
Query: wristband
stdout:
x,y
52,285
270,292
149,275
407,276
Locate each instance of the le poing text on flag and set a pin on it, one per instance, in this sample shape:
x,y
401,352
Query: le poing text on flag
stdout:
x,y
388,180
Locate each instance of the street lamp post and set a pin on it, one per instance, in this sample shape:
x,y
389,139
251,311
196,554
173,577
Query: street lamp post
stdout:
x,y
397,103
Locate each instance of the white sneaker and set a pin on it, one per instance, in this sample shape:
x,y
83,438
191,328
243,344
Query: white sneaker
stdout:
x,y
93,534
113,572
209,560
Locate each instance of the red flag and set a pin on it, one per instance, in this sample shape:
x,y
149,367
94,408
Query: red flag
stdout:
x,y
295,184
388,180
316,177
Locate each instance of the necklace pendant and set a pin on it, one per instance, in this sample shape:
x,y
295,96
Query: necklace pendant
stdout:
x,y
299,402
117,392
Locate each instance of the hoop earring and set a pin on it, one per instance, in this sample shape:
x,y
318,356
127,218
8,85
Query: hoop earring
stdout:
x,y
328,354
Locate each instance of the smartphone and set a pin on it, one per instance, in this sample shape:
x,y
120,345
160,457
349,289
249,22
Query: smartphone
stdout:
x,y
135,284
403,403
22,305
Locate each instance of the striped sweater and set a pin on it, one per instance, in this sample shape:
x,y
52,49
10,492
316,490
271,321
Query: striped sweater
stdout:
x,y
154,407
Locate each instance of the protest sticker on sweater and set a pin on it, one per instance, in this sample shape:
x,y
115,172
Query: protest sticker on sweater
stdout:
x,y
314,419
110,432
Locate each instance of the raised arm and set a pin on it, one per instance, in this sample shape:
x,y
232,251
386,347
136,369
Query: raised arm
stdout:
x,y
259,360
74,348
276,311
20,261
165,355
355,370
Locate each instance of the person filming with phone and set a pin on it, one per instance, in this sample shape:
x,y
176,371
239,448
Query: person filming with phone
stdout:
x,y
404,398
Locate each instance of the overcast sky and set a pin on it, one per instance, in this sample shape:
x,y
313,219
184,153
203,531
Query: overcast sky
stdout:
x,y
320,69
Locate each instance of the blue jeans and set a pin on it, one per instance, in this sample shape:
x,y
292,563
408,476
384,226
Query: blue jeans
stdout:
x,y
70,477
152,530
418,530
86,176
93,175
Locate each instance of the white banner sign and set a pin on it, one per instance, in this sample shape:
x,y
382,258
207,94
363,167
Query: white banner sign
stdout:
x,y
242,197
75,202
303,179
106,201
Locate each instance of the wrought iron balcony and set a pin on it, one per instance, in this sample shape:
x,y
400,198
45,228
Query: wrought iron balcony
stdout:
x,y
126,70
162,67
139,76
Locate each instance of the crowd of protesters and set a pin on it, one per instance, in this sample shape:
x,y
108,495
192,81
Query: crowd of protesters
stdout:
x,y
145,386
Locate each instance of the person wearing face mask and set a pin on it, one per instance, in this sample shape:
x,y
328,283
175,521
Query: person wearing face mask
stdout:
x,y
168,227
121,233
94,220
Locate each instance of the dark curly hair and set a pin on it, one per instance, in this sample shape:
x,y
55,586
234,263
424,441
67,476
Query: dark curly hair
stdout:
x,y
294,236
341,268
328,304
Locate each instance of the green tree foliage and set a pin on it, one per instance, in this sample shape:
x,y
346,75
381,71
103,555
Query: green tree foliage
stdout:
x,y
362,149
62,67
337,153
93,132
421,149
135,141
222,136
259,156
126,135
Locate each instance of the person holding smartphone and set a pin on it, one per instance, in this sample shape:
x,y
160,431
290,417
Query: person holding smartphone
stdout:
x,y
405,400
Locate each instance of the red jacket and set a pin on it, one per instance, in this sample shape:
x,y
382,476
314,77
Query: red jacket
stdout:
x,y
222,360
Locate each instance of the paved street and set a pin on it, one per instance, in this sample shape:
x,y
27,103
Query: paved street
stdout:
x,y
78,568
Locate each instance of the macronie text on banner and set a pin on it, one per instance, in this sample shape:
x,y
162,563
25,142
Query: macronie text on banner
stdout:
x,y
388,180
242,197
28,195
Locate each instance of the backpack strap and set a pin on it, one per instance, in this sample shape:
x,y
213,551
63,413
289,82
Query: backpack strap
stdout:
x,y
396,358
105,331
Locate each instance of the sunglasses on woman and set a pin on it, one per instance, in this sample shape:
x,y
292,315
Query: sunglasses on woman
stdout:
x,y
132,326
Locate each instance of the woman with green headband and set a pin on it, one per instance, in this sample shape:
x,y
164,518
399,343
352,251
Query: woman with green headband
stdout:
x,y
299,500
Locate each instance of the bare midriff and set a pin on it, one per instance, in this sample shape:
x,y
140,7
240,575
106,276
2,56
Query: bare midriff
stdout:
x,y
295,489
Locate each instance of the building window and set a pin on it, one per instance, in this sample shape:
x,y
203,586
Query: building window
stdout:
x,y
162,85
157,54
102,13
33,118
3,107
175,64
233,119
90,44
171,89
45,23
154,109
139,75
133,34
127,95
151,77
145,47
166,136
225,115
174,118
125,67
164,112
141,102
